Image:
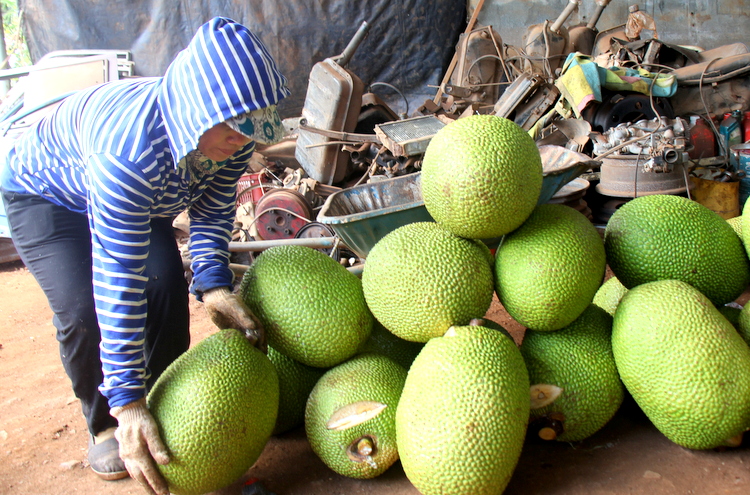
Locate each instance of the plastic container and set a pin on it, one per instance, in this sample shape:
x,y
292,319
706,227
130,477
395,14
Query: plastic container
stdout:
x,y
731,135
702,138
746,127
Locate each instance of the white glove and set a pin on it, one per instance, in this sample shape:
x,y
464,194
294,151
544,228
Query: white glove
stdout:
x,y
228,310
141,445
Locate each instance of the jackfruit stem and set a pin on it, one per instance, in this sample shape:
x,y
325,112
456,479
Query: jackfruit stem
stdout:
x,y
735,441
549,427
365,446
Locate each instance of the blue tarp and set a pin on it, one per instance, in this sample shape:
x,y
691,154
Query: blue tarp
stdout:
x,y
409,45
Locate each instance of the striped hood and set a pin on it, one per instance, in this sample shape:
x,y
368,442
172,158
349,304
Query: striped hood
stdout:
x,y
225,71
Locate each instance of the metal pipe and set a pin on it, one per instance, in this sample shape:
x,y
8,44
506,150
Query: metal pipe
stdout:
x,y
572,5
346,55
315,243
600,6
671,156
240,269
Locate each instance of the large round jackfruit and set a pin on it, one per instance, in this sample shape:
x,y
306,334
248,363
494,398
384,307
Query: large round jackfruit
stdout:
x,y
461,420
684,364
296,381
384,342
350,415
577,360
548,270
665,237
420,279
312,308
215,406
481,176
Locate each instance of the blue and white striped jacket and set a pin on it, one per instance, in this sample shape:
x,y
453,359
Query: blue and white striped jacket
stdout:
x,y
116,153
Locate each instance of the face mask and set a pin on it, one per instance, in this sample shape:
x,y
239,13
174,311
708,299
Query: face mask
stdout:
x,y
199,165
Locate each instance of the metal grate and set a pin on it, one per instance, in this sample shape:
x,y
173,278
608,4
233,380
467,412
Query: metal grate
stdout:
x,y
409,137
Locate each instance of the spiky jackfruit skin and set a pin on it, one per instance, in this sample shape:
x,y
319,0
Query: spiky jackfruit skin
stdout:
x,y
683,362
462,417
481,176
215,406
384,342
666,237
548,270
311,307
579,360
420,279
296,381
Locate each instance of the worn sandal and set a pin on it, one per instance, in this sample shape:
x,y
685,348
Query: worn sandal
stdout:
x,y
104,459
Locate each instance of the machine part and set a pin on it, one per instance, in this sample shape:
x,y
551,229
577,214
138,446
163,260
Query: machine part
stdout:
x,y
662,137
480,69
560,166
569,133
716,85
625,176
617,108
539,103
544,44
409,137
317,230
257,246
519,91
281,213
252,187
451,67
374,111
581,38
333,102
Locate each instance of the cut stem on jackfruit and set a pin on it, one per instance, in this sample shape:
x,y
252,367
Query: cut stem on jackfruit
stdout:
x,y
363,449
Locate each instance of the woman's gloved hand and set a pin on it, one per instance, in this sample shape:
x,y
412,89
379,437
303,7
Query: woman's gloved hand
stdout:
x,y
228,310
141,446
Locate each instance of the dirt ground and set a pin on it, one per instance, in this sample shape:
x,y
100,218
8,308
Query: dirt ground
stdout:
x,y
43,436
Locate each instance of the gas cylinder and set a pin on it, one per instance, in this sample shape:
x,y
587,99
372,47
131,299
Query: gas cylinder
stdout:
x,y
702,138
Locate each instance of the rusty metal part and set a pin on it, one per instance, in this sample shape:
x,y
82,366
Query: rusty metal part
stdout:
x,y
480,69
624,176
281,213
340,135
375,111
448,73
581,38
519,91
317,230
332,103
544,44
409,137
541,101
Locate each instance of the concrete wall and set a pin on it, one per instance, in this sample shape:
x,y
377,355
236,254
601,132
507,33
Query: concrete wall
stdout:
x,y
704,23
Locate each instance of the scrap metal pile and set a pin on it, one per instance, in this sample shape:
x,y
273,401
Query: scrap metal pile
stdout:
x,y
622,97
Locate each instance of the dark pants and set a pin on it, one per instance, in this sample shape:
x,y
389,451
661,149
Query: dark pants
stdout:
x,y
55,245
